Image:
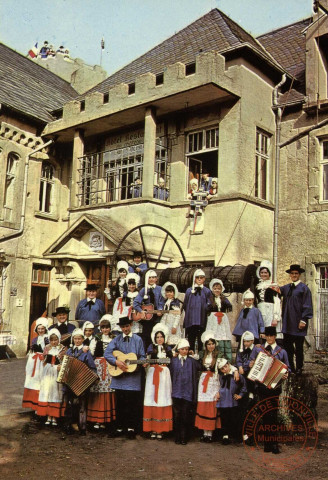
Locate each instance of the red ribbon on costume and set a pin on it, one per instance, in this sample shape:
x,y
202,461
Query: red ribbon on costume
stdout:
x,y
53,360
206,380
157,371
35,358
120,305
129,311
219,316
103,364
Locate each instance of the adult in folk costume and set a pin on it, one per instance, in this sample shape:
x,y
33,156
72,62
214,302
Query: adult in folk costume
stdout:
x,y
296,312
197,303
62,323
90,308
267,296
127,385
157,413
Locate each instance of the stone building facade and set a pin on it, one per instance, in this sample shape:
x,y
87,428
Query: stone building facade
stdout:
x,y
172,114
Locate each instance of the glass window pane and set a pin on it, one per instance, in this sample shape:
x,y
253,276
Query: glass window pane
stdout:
x,y
325,182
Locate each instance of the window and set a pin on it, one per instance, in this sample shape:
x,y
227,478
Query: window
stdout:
x,y
9,193
46,187
115,175
324,170
322,324
203,140
162,173
262,165
41,275
190,69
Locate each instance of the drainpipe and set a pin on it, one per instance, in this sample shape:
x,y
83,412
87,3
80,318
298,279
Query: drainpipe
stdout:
x,y
278,114
22,221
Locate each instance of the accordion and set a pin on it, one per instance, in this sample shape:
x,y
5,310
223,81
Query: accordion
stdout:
x,y
267,370
76,375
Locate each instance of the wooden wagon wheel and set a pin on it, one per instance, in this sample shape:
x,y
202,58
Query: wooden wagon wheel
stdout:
x,y
137,237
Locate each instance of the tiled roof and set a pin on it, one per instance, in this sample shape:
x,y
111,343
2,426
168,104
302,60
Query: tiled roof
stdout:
x,y
287,46
213,31
29,88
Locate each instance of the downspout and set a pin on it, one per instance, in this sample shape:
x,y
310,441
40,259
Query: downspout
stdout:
x,y
22,220
278,113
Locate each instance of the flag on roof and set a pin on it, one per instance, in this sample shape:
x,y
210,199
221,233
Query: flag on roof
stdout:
x,y
102,43
33,51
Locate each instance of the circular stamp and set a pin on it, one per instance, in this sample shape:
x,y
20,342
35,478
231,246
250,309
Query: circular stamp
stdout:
x,y
280,420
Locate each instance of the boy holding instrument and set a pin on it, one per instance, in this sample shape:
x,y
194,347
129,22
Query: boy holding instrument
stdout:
x,y
151,294
127,385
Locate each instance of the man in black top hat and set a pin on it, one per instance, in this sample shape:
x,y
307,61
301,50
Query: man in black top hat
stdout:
x,y
90,308
62,324
296,313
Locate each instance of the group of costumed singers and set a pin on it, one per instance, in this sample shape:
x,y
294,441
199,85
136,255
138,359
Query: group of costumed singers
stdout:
x,y
152,378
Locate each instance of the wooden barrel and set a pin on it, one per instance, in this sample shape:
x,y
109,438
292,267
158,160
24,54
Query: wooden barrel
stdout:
x,y
235,278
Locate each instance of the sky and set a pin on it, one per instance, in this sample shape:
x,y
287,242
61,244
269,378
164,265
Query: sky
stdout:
x,y
129,27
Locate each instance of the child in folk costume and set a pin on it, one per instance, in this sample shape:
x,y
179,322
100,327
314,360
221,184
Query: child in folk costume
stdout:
x,y
51,394
208,386
123,306
89,338
34,365
231,391
250,318
101,400
184,374
218,322
171,320
242,363
150,294
157,413
138,266
77,351
243,358
197,303
120,285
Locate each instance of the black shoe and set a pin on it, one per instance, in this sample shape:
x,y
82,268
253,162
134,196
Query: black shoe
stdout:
x,y
267,448
130,434
202,438
83,433
275,450
250,442
177,441
183,442
226,441
69,430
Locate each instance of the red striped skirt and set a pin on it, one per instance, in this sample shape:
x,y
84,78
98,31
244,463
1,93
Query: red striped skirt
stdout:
x,y
157,419
30,398
207,416
52,409
101,407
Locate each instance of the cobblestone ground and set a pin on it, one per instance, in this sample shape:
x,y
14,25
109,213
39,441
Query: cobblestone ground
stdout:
x,y
29,450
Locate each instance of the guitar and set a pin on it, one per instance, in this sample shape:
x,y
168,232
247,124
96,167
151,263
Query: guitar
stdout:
x,y
149,309
131,361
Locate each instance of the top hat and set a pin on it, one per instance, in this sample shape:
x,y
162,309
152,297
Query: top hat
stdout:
x,y
270,331
91,286
297,267
124,321
60,310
